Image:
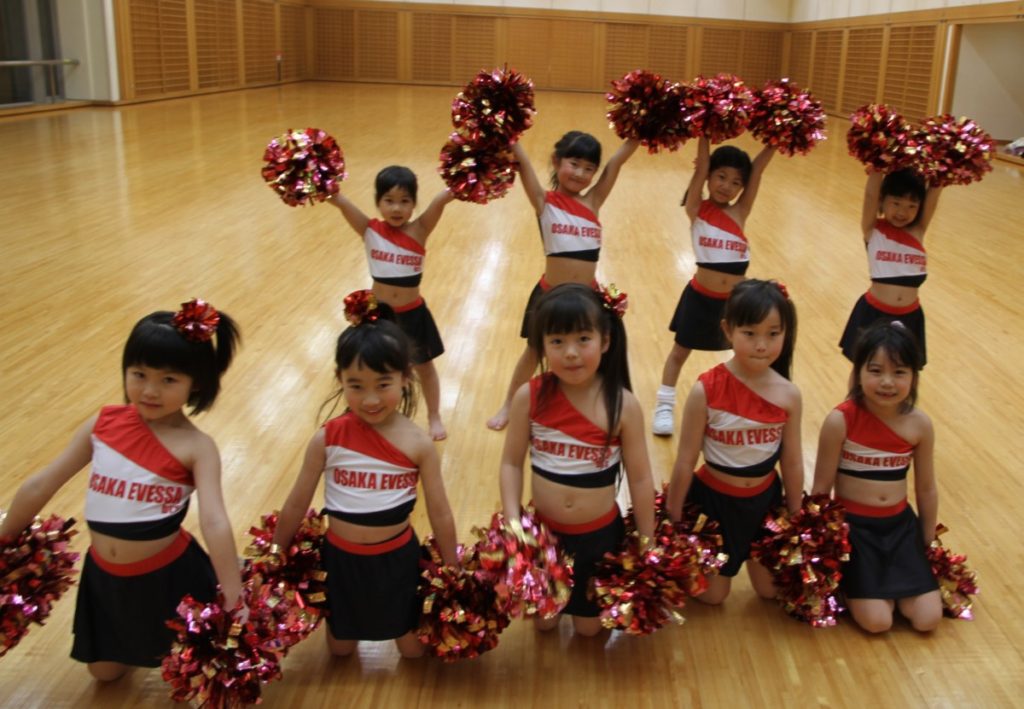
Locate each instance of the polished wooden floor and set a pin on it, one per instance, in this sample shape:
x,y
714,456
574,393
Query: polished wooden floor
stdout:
x,y
108,214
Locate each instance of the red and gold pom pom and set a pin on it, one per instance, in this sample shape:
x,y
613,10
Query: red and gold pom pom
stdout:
x,y
35,571
787,118
197,320
494,109
804,554
462,615
646,107
957,583
219,659
303,166
476,173
522,559
360,307
953,152
880,138
287,585
718,108
643,587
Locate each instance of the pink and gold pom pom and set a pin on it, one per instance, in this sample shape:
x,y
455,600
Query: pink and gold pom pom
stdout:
x,y
787,118
957,583
716,108
954,152
522,559
804,554
288,588
646,107
476,172
494,109
303,166
880,138
461,616
35,571
220,658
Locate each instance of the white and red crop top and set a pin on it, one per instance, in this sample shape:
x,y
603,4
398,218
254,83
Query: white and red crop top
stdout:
x,y
872,450
896,256
565,446
718,241
569,229
395,258
137,489
367,480
743,436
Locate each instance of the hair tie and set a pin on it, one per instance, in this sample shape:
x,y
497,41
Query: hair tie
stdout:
x,y
782,289
361,307
197,320
898,324
613,299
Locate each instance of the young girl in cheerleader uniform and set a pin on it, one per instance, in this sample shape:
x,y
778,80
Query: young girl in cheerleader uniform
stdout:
x,y
147,458
581,424
744,416
722,254
569,228
395,251
897,210
865,450
371,459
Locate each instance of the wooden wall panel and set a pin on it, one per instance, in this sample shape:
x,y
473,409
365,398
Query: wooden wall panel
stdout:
x,y
799,68
159,47
432,47
376,44
909,70
863,62
293,43
669,51
525,35
572,55
827,68
761,57
476,39
720,51
335,41
216,31
626,49
259,42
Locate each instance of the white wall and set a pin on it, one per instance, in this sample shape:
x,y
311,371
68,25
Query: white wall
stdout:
x,y
812,10
760,10
86,33
989,82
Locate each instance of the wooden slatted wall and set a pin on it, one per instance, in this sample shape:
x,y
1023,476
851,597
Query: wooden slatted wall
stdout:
x,y
260,42
909,71
801,48
720,51
335,44
826,66
216,23
293,43
863,61
159,46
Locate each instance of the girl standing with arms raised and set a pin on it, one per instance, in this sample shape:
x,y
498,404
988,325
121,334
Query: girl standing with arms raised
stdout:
x,y
147,458
897,211
865,450
569,227
395,251
581,424
722,254
744,416
371,459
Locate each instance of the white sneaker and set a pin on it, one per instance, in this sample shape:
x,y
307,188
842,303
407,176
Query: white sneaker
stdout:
x,y
664,420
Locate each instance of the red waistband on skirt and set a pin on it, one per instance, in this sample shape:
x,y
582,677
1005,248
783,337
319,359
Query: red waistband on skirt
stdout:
x,y
584,527
144,566
707,292
545,285
383,547
411,305
725,488
859,508
891,309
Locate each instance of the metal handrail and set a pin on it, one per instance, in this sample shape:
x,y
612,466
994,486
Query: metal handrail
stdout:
x,y
50,64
